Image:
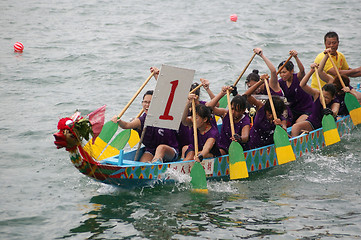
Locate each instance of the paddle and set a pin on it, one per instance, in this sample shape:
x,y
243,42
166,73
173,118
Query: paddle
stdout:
x,y
329,126
352,105
244,70
196,88
280,69
237,162
110,128
199,181
223,101
283,147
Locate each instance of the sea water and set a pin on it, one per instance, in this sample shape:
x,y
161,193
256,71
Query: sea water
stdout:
x,y
84,54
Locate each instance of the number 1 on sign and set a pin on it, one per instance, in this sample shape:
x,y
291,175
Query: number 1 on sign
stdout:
x,y
166,115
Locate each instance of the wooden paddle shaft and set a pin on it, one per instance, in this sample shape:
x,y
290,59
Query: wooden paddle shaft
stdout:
x,y
270,100
135,95
195,128
196,88
244,70
280,69
140,143
320,89
230,114
140,113
336,69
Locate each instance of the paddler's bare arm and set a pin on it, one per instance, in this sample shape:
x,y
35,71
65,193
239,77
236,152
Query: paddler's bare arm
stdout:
x,y
207,147
187,120
303,84
205,84
301,68
273,82
156,72
134,124
323,75
252,100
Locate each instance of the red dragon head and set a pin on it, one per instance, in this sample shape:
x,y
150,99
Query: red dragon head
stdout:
x,y
72,131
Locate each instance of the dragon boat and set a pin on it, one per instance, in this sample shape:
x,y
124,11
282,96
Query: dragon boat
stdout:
x,y
121,169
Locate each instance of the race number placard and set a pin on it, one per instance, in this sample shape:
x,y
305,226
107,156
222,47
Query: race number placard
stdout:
x,y
169,98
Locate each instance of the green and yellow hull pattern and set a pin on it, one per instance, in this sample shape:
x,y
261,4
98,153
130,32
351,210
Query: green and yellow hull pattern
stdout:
x,y
130,174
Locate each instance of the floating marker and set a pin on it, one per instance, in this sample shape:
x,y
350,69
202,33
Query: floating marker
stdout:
x,y
18,47
233,17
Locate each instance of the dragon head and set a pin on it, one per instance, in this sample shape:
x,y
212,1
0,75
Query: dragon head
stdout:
x,y
72,131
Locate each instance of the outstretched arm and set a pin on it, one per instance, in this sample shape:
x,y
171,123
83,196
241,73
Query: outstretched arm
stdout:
x,y
273,83
354,72
156,72
187,120
215,101
303,84
252,100
134,124
205,84
323,75
301,68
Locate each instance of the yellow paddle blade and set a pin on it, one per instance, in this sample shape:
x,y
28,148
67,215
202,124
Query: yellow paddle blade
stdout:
x,y
331,136
96,149
237,162
239,172
109,152
134,138
330,133
355,115
285,154
283,147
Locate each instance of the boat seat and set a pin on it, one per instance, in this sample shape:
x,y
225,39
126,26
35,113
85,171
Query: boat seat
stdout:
x,y
115,161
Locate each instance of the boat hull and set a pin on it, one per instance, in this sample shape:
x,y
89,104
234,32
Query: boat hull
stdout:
x,y
129,174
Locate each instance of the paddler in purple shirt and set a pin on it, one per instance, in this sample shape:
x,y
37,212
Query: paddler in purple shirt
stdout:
x,y
261,133
161,144
299,101
241,121
207,133
185,132
314,121
273,84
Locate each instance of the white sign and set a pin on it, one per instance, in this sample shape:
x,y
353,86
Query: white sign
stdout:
x,y
169,98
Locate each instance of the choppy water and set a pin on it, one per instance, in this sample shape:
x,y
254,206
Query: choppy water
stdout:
x,y
81,55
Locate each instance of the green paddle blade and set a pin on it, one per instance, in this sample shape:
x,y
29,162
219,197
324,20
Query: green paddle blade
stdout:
x,y
101,142
353,107
199,181
223,103
237,162
121,139
108,131
330,132
283,146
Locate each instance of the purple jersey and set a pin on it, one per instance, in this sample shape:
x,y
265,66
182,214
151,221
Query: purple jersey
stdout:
x,y
202,139
288,113
300,101
261,133
155,136
226,134
316,115
185,134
